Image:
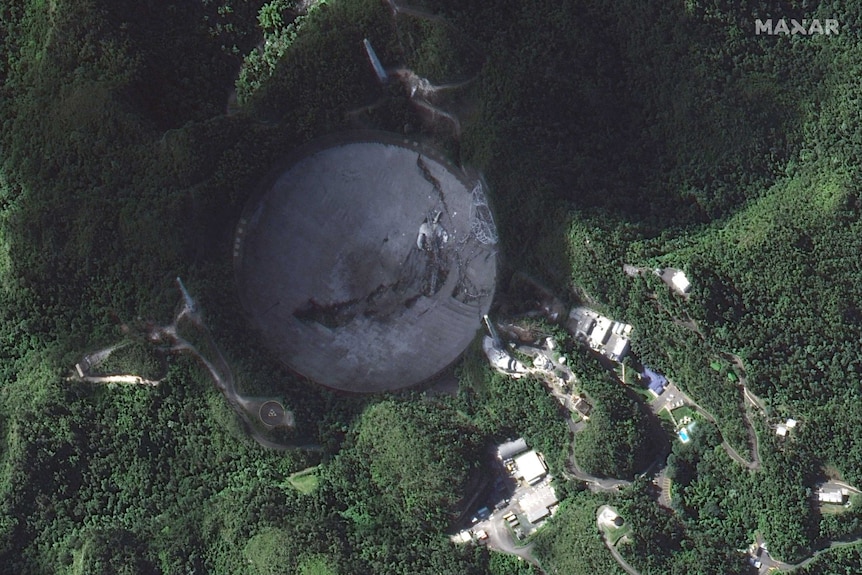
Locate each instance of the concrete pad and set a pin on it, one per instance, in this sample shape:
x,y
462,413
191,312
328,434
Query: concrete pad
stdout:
x,y
330,273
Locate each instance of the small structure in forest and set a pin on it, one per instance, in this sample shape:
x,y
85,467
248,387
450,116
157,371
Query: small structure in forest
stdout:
x,y
375,62
784,428
836,496
583,407
609,518
680,282
675,280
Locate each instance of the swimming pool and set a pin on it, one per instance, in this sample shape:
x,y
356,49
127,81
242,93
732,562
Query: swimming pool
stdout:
x,y
683,435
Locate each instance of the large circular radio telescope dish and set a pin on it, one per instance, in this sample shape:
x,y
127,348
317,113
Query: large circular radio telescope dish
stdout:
x,y
365,262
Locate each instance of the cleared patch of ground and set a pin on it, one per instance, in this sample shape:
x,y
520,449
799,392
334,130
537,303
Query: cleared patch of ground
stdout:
x,y
305,481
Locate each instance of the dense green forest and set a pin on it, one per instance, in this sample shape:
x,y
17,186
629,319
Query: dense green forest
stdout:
x,y
646,132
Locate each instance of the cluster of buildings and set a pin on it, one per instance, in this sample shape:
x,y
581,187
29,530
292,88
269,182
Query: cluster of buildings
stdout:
x,y
538,500
783,428
533,500
603,335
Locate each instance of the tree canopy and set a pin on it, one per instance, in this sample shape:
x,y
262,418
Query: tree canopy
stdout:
x,y
610,132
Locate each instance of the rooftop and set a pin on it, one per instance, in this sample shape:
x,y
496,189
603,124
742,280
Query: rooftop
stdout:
x,y
583,407
510,449
680,282
602,334
530,467
537,505
654,381
831,495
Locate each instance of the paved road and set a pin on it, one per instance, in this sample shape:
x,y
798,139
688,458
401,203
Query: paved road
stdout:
x,y
688,323
622,562
500,539
218,369
663,482
669,396
755,401
614,551
768,563
555,385
731,452
574,471
834,545
672,394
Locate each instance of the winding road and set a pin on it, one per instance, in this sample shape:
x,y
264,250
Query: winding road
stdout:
x,y
748,396
222,374
219,370
613,548
731,452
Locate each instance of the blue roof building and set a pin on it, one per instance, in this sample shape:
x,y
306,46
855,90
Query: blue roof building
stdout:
x,y
654,381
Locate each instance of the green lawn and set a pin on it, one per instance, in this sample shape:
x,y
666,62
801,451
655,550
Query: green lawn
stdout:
x,y
665,415
644,393
614,534
305,481
683,411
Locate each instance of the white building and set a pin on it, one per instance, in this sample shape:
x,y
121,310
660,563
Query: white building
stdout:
x,y
784,428
530,467
617,347
836,496
539,504
501,360
602,334
680,282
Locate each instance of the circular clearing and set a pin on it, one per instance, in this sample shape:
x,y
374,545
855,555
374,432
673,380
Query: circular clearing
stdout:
x,y
367,262
272,413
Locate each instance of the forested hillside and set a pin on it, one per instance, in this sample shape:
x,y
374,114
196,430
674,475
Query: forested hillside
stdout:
x,y
611,132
